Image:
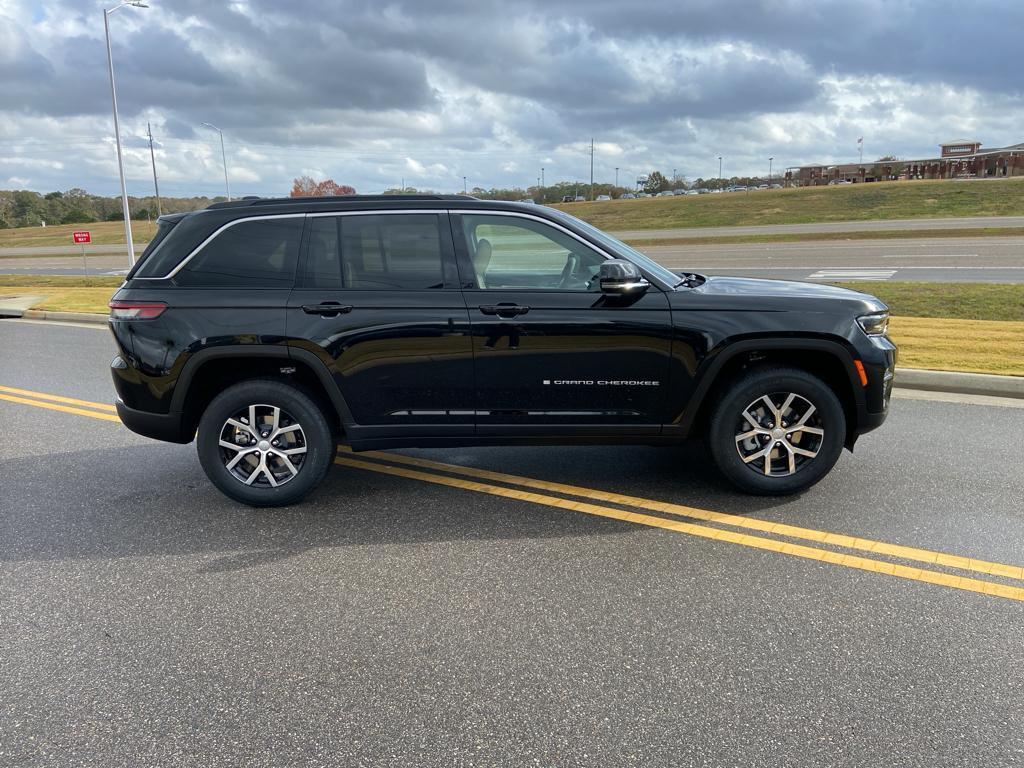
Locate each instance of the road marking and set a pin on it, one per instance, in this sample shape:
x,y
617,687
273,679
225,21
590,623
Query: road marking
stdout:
x,y
853,274
738,521
930,256
718,534
57,398
735,537
62,408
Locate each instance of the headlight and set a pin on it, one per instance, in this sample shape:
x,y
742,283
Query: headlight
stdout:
x,y
875,324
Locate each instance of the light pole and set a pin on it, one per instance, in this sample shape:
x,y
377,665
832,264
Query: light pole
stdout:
x,y
117,129
616,177
464,185
223,157
543,197
770,172
719,171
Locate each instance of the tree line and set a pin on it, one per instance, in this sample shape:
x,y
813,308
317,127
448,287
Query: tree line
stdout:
x,y
25,208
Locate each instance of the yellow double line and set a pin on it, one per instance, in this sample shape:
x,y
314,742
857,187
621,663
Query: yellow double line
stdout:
x,y
666,514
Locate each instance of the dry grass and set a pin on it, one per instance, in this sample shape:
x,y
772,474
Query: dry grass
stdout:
x,y
975,346
103,233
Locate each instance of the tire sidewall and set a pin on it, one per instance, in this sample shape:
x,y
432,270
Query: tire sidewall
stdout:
x,y
722,434
319,441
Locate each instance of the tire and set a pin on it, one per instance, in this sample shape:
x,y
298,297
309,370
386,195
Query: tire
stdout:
x,y
814,424
251,468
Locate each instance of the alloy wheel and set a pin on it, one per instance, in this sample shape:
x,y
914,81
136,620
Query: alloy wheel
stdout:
x,y
262,446
779,434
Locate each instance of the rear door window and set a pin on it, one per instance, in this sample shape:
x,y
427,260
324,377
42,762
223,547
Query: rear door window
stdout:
x,y
261,253
375,252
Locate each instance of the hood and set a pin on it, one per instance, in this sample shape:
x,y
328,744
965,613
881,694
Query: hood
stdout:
x,y
785,289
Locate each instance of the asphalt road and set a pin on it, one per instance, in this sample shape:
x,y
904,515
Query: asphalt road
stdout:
x,y
403,616
966,222
981,259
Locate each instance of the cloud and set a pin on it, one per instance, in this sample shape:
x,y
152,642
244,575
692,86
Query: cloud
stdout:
x,y
367,93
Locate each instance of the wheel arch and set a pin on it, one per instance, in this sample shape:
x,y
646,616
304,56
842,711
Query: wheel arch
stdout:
x,y
829,359
207,371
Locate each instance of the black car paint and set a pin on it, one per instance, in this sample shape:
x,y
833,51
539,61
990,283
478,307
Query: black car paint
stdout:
x,y
430,367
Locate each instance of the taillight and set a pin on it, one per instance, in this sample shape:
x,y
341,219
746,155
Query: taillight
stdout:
x,y
136,310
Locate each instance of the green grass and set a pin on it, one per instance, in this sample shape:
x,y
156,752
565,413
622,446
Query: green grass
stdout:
x,y
103,233
803,237
963,301
856,202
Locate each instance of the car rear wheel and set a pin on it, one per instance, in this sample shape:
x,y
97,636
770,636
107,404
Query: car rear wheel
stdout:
x,y
777,431
264,443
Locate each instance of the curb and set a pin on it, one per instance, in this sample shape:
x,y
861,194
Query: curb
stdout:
x,y
67,317
906,378
960,383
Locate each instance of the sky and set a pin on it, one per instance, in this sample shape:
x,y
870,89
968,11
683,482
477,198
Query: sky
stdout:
x,y
375,93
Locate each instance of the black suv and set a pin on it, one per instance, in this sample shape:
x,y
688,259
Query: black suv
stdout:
x,y
273,329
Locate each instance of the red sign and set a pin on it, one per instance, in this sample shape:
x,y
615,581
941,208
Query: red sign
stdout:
x,y
81,237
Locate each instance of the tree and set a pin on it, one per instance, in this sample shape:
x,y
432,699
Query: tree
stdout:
x,y
656,182
306,186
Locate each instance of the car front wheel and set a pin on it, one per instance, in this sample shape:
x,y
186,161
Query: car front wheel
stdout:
x,y
777,431
264,443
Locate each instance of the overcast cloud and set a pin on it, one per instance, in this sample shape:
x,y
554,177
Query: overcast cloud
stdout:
x,y
369,93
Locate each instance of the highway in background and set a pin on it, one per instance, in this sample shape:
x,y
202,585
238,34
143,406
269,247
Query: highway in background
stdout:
x,y
940,259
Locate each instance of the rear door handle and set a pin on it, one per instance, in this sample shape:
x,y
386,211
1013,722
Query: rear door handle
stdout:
x,y
504,310
327,309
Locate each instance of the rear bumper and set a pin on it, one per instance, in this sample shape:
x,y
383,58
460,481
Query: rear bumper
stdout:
x,y
168,427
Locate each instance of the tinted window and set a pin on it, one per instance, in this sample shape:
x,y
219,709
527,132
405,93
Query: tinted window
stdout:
x,y
250,254
518,253
376,252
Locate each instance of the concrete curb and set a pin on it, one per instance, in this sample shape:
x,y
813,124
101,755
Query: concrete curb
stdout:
x,y
906,378
67,317
960,383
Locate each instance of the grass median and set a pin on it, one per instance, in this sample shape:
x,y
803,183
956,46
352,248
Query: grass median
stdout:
x,y
854,202
972,327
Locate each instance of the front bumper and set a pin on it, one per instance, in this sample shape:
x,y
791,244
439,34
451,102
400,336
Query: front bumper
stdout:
x,y
169,427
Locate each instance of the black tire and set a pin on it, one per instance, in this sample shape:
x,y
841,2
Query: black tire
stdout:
x,y
790,472
296,408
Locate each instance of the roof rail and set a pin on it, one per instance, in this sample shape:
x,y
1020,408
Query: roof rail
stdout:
x,y
248,201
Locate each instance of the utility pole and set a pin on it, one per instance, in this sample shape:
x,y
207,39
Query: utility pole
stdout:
x,y
117,128
152,159
719,171
591,167
616,176
770,172
464,185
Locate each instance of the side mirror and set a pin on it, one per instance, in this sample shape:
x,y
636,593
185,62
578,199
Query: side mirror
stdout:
x,y
621,278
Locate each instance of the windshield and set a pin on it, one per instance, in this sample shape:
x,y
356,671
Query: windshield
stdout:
x,y
645,262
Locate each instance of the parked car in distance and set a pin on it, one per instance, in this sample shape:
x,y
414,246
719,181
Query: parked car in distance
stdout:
x,y
666,193
602,198
628,196
268,331
568,199
693,192
527,200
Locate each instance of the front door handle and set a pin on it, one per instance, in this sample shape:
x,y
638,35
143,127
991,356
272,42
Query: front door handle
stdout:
x,y
504,310
327,309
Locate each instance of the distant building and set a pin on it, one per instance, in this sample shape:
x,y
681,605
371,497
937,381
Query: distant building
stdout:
x,y
958,159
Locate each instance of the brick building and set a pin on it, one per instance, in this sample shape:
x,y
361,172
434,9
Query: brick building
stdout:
x,y
958,159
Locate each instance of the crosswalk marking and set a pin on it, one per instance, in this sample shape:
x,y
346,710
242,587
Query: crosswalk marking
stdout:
x,y
853,274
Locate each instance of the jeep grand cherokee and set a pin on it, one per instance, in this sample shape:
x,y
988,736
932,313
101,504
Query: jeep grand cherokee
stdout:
x,y
271,329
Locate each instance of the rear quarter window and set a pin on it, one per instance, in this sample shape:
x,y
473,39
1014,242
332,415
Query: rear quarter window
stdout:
x,y
260,253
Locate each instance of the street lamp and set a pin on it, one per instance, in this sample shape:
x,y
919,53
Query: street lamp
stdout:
x,y
616,177
719,171
770,172
223,157
117,129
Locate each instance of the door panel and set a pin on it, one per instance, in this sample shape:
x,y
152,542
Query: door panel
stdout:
x,y
398,345
551,351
